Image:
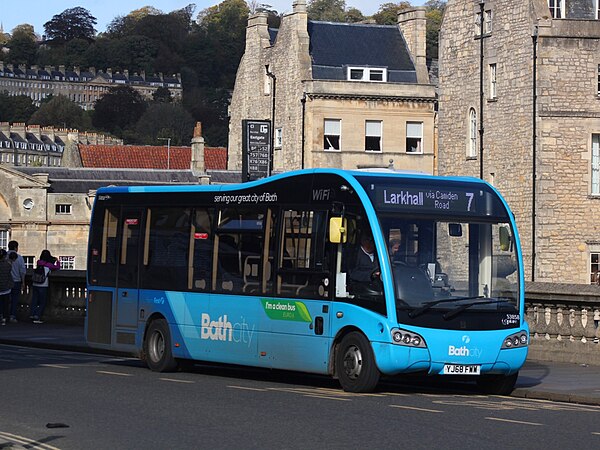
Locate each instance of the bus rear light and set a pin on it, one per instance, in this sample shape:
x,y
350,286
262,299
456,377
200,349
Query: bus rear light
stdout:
x,y
407,338
515,340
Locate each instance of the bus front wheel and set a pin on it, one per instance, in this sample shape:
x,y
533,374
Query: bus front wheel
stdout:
x,y
497,384
355,364
157,347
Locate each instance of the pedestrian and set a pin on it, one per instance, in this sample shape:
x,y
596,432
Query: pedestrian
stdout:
x,y
6,284
18,275
46,264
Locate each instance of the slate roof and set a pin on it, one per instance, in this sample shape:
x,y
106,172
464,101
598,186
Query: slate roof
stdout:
x,y
149,157
335,46
65,180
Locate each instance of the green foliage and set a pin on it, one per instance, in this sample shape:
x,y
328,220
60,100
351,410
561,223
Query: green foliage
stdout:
x,y
118,109
61,112
15,109
434,14
162,95
209,106
73,23
353,15
165,120
22,46
327,10
388,12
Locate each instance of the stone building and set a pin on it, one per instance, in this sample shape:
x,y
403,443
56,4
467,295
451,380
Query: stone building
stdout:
x,y
538,139
83,87
340,95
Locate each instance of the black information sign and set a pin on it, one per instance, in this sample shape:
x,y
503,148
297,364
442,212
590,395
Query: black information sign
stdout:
x,y
440,200
256,149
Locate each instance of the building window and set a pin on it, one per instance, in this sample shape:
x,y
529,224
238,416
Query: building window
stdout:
x,y
367,74
596,164
373,132
595,268
63,209
278,137
472,145
597,9
557,8
487,21
4,239
67,262
598,73
493,92
332,134
414,137
29,262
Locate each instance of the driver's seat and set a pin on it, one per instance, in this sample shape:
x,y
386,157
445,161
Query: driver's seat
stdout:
x,y
413,286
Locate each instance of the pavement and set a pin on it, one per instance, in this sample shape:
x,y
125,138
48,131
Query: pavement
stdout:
x,y
564,382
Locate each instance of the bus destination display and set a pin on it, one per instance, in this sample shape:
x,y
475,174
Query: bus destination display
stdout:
x,y
451,200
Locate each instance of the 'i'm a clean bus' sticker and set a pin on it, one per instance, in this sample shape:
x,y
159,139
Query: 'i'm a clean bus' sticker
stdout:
x,y
286,310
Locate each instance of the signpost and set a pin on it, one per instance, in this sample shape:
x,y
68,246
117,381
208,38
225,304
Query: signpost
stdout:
x,y
256,149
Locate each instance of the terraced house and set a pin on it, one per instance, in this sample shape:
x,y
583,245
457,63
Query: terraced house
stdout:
x,y
339,95
519,105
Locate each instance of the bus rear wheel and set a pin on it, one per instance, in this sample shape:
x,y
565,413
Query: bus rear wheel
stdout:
x,y
497,384
355,364
157,347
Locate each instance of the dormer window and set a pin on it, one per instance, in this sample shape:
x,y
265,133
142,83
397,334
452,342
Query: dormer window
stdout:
x,y
367,74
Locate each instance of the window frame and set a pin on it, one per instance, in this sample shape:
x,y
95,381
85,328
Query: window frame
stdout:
x,y
493,71
339,135
595,165
418,138
67,262
488,18
594,267
369,138
63,209
4,238
557,8
472,134
367,74
278,138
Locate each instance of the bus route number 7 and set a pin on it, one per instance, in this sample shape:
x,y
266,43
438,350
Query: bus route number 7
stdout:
x,y
470,196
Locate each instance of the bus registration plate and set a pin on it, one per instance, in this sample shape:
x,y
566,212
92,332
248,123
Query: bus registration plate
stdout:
x,y
461,369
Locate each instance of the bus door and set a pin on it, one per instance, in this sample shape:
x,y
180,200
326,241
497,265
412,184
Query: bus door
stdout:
x,y
127,268
298,313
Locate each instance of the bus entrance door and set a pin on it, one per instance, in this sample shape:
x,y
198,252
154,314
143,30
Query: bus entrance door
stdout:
x,y
127,273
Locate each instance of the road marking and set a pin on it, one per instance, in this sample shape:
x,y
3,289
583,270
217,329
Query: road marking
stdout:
x,y
177,381
596,433
327,397
56,366
514,421
29,443
114,373
247,388
416,409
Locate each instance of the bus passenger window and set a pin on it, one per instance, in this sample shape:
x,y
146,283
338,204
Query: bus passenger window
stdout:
x,y
201,249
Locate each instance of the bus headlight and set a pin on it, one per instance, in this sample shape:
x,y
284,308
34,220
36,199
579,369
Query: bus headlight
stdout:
x,y
516,340
407,338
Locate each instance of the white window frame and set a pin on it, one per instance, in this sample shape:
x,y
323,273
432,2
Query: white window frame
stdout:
x,y
493,80
374,134
278,137
63,209
598,74
487,21
594,267
332,125
367,74
29,262
472,134
4,239
557,8
67,262
595,165
413,135
597,9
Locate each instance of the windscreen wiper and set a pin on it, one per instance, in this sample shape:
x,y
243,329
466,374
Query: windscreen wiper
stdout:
x,y
455,312
427,306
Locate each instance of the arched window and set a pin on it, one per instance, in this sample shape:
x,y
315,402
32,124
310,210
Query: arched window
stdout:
x,y
472,142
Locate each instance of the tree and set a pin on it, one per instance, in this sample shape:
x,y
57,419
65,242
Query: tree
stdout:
x,y
434,14
165,120
118,109
162,95
388,12
354,15
15,109
327,10
22,46
61,112
73,23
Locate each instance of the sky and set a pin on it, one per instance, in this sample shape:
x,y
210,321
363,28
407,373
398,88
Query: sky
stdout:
x,y
38,12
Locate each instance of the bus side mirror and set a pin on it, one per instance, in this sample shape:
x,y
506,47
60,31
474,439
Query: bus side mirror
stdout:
x,y
337,230
504,238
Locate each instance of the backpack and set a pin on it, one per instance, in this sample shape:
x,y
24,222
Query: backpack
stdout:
x,y
39,275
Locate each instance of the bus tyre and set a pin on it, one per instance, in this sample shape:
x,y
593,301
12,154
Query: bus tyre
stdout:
x,y
497,384
355,364
157,347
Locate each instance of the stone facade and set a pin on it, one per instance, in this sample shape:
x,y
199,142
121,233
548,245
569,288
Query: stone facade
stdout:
x,y
565,230
303,100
